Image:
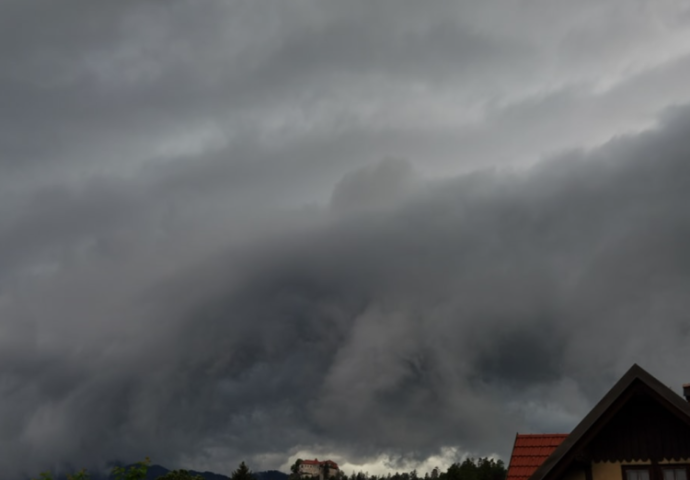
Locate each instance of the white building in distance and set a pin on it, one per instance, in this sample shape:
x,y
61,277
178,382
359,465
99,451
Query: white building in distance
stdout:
x,y
315,468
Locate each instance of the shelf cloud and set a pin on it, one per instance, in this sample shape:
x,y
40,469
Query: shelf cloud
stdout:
x,y
247,230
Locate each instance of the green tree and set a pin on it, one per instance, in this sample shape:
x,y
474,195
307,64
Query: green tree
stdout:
x,y
480,469
242,473
469,470
490,469
453,473
80,475
180,475
134,472
294,469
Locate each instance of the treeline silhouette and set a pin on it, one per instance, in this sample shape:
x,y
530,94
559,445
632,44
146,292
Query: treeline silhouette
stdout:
x,y
469,469
143,471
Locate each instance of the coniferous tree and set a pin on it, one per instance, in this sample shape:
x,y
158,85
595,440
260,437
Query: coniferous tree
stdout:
x,y
453,473
294,470
242,473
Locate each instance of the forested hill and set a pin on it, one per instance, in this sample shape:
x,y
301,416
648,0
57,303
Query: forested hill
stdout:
x,y
156,471
468,469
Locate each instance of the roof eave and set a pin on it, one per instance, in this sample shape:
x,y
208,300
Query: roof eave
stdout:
x,y
602,408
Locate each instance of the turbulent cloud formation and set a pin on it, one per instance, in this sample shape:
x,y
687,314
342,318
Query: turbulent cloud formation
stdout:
x,y
385,232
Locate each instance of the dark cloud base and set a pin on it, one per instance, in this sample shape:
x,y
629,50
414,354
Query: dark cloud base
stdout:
x,y
401,325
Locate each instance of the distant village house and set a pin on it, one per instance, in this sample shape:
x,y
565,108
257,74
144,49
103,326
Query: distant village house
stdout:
x,y
315,468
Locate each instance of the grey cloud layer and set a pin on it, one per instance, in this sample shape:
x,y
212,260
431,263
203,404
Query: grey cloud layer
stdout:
x,y
205,258
401,328
97,80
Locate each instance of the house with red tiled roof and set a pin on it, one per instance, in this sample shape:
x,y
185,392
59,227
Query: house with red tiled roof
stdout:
x,y
530,451
314,468
639,430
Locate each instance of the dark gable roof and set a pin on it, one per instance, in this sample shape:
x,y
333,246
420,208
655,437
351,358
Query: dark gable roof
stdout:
x,y
603,411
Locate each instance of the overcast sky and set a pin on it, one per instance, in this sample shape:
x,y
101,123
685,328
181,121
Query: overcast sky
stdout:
x,y
391,233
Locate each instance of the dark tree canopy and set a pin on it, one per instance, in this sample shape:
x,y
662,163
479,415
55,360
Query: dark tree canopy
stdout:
x,y
242,473
180,475
471,469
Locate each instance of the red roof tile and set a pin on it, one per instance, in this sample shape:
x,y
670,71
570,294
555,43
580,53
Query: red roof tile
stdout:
x,y
530,451
331,463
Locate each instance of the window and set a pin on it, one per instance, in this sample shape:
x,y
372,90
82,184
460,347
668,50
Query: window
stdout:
x,y
656,472
675,472
638,474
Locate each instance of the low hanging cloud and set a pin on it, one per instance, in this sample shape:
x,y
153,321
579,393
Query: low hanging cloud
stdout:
x,y
205,258
375,187
451,315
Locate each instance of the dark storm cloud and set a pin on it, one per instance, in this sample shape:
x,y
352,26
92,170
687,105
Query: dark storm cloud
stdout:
x,y
204,258
489,281
400,329
146,63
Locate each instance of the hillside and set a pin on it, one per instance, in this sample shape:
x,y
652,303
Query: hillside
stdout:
x,y
156,471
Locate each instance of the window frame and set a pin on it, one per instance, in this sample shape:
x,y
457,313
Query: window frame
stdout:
x,y
647,466
674,466
656,470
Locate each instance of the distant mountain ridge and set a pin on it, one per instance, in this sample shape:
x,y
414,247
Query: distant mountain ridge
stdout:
x,y
155,471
